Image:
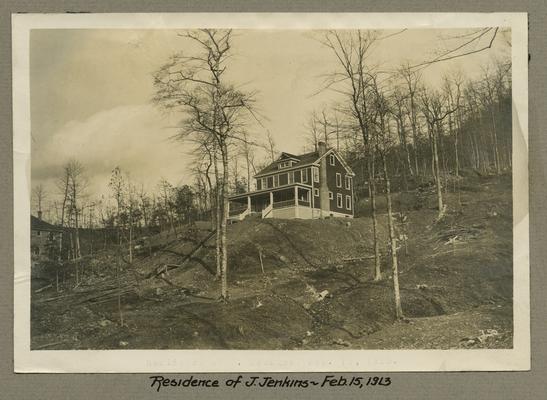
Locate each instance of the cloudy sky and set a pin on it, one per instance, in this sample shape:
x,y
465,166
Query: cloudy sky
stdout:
x,y
91,92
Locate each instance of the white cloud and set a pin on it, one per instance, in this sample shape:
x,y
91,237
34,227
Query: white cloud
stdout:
x,y
136,138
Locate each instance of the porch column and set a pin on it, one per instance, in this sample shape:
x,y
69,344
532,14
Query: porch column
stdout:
x,y
249,203
271,199
296,215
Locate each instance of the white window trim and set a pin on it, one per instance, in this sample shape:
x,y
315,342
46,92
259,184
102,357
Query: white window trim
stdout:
x,y
316,192
331,159
315,173
348,202
304,175
331,196
338,179
290,177
348,182
285,164
339,201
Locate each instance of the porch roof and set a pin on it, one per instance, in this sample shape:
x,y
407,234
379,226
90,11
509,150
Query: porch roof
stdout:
x,y
242,196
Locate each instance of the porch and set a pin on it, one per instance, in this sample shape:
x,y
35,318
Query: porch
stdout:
x,y
287,202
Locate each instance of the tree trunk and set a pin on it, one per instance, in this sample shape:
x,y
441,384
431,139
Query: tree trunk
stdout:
x,y
402,137
372,194
78,254
210,187
437,173
432,146
495,139
130,242
218,219
224,268
393,244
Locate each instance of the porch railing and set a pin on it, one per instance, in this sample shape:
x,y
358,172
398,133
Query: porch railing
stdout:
x,y
267,211
242,216
290,203
236,211
284,204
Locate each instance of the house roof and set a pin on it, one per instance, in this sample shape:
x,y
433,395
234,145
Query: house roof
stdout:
x,y
36,224
303,159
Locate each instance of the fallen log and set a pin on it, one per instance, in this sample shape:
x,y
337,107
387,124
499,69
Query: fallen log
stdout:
x,y
185,260
43,288
352,259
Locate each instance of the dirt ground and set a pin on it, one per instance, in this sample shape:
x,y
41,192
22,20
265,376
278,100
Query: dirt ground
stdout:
x,y
313,288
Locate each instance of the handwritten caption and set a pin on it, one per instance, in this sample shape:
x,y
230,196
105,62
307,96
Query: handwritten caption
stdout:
x,y
160,382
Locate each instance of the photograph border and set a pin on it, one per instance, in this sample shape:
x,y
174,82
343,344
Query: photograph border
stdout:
x,y
517,358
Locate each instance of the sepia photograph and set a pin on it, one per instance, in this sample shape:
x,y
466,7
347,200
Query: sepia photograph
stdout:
x,y
350,188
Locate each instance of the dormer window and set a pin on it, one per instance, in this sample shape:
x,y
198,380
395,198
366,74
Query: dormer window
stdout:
x,y
285,164
331,159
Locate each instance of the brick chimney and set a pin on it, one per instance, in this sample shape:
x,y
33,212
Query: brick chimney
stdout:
x,y
321,148
323,187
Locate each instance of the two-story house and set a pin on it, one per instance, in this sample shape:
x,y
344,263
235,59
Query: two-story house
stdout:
x,y
45,240
312,185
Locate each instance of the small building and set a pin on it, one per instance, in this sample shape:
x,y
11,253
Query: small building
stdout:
x,y
45,239
312,185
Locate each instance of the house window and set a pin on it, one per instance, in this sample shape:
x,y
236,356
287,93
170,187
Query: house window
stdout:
x,y
315,172
305,175
291,177
331,195
316,192
339,201
331,159
297,176
283,179
270,182
264,183
348,182
348,202
276,180
338,180
38,233
285,164
259,184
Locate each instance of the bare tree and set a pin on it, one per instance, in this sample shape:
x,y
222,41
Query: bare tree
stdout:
x,y
382,110
166,195
145,205
411,79
399,114
39,195
271,146
453,90
117,186
435,112
72,185
76,192
196,85
248,154
352,50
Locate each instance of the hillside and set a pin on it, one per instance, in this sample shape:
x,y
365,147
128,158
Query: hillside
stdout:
x,y
313,289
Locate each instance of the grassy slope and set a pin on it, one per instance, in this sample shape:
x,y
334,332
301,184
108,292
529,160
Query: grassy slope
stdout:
x,y
451,288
